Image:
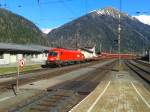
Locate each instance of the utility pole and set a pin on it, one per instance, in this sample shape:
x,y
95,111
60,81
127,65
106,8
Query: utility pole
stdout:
x,y
76,40
100,47
17,78
61,40
143,48
110,50
77,36
149,54
119,35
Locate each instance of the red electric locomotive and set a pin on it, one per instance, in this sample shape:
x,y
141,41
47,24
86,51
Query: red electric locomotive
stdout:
x,y
60,56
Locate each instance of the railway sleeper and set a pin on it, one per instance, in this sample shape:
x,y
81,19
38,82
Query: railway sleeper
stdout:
x,y
48,104
52,99
63,103
38,109
52,107
83,92
55,99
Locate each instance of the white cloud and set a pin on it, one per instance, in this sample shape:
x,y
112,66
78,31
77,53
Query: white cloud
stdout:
x,y
46,30
144,18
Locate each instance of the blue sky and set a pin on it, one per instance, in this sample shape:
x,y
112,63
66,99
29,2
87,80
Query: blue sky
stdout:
x,y
53,13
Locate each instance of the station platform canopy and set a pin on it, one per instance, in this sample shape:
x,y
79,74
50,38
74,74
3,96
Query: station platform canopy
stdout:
x,y
21,48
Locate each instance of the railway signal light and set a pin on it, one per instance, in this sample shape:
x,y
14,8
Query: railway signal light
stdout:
x,y
21,63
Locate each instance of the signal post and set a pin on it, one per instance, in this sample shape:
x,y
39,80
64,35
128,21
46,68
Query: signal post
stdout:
x,y
20,64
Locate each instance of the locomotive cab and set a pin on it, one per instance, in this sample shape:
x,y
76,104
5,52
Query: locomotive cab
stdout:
x,y
53,57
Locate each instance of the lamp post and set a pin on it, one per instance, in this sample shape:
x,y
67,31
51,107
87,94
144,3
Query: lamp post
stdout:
x,y
78,36
148,40
119,31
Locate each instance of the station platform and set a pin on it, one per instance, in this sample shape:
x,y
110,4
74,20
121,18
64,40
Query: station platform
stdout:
x,y
119,92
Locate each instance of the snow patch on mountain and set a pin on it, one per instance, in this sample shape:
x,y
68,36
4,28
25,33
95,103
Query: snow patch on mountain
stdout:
x,y
143,18
110,11
46,30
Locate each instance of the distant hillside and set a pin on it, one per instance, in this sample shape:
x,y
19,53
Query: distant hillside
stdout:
x,y
101,26
16,29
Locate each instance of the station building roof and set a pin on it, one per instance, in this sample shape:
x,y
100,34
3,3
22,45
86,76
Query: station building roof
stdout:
x,y
20,48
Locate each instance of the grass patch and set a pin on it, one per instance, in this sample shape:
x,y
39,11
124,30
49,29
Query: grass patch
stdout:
x,y
7,70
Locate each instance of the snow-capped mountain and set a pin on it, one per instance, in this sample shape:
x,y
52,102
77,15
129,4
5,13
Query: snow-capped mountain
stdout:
x,y
101,26
46,30
109,11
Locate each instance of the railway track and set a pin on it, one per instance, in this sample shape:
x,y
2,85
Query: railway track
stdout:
x,y
85,84
62,97
34,71
42,74
54,101
22,73
142,70
142,62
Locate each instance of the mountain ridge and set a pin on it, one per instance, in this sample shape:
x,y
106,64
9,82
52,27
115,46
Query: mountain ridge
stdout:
x,y
17,29
98,27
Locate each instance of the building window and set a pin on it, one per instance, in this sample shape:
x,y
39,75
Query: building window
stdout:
x,y
36,56
24,55
45,54
32,56
1,56
12,54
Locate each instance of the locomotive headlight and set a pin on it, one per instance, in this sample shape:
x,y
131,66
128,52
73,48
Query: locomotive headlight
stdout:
x,y
57,58
51,59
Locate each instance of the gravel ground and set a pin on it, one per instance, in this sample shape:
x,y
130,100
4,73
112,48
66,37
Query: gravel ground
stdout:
x,y
8,100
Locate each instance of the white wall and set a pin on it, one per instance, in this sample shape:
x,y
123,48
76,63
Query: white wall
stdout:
x,y
9,58
5,60
19,56
39,58
13,58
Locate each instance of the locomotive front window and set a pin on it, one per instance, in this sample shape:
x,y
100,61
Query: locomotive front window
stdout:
x,y
53,53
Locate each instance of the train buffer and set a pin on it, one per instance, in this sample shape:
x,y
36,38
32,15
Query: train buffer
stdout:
x,y
120,92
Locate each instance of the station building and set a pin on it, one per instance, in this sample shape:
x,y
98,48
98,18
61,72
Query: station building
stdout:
x,y
11,53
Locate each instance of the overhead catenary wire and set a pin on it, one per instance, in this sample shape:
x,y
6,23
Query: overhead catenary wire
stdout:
x,y
67,7
63,3
86,6
53,2
3,4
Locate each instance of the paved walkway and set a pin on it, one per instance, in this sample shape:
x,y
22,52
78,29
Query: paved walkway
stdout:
x,y
118,93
